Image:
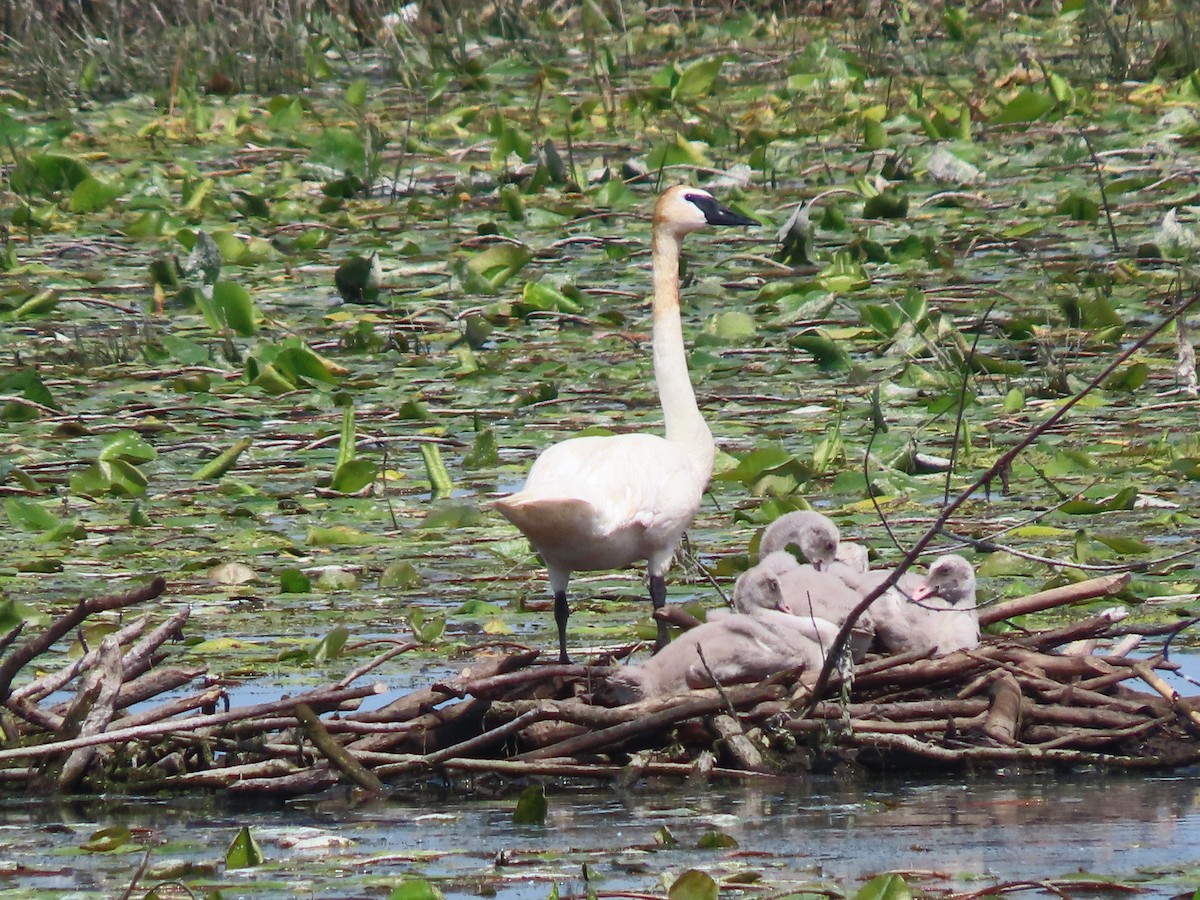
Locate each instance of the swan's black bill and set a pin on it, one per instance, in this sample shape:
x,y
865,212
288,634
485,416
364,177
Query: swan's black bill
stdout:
x,y
716,214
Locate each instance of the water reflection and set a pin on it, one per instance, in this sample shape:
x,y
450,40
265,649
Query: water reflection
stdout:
x,y
825,832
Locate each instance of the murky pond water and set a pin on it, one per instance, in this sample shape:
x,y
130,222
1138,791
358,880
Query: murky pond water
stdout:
x,y
949,833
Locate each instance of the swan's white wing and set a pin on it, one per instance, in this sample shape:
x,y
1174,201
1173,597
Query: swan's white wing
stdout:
x,y
604,502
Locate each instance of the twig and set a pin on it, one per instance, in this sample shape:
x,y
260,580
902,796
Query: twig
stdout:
x,y
22,655
687,707
1112,229
137,876
318,698
1168,693
335,752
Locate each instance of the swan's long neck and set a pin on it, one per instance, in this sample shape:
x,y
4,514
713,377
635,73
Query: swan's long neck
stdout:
x,y
685,426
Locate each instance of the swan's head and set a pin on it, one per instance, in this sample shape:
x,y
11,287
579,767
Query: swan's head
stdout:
x,y
951,578
682,210
814,534
758,588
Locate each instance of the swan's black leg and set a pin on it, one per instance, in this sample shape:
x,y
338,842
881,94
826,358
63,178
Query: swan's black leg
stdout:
x,y
561,612
658,596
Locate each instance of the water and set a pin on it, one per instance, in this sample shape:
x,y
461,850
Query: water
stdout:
x,y
949,833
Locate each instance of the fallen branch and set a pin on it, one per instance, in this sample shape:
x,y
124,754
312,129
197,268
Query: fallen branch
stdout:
x,y
335,753
34,647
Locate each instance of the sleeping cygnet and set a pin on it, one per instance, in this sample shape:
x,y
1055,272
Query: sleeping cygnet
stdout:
x,y
736,647
805,592
817,539
939,615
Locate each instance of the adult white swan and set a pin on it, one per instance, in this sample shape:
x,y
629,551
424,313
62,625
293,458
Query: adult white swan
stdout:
x,y
606,502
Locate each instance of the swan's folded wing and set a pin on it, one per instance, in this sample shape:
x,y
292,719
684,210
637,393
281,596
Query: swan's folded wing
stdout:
x,y
548,519
628,481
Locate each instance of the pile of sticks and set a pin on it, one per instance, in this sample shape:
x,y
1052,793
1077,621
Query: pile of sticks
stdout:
x,y
127,718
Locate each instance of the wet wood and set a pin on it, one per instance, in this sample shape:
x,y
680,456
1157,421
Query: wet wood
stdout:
x,y
1003,721
739,748
323,741
25,653
1091,589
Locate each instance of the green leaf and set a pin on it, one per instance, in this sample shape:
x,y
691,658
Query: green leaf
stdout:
x,y
485,452
330,646
827,353
456,515
1079,208
42,302
243,852
874,134
440,484
28,384
1124,546
337,536
693,885
677,152
127,445
47,174
235,307
531,806
499,263
346,446
26,515
293,581
222,463
544,298
697,80
733,326
889,204
91,194
716,840
356,93
351,477
1029,105
402,575
884,887
425,628
415,889
107,839
1129,378
340,149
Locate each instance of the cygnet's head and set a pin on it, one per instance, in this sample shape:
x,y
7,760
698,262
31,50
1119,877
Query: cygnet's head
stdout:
x,y
758,588
814,534
682,209
950,577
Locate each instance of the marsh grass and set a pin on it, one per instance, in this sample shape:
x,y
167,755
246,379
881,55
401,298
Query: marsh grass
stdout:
x,y
65,48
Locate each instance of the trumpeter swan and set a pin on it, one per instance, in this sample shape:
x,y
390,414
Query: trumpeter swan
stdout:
x,y
939,615
736,647
804,592
606,502
818,540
